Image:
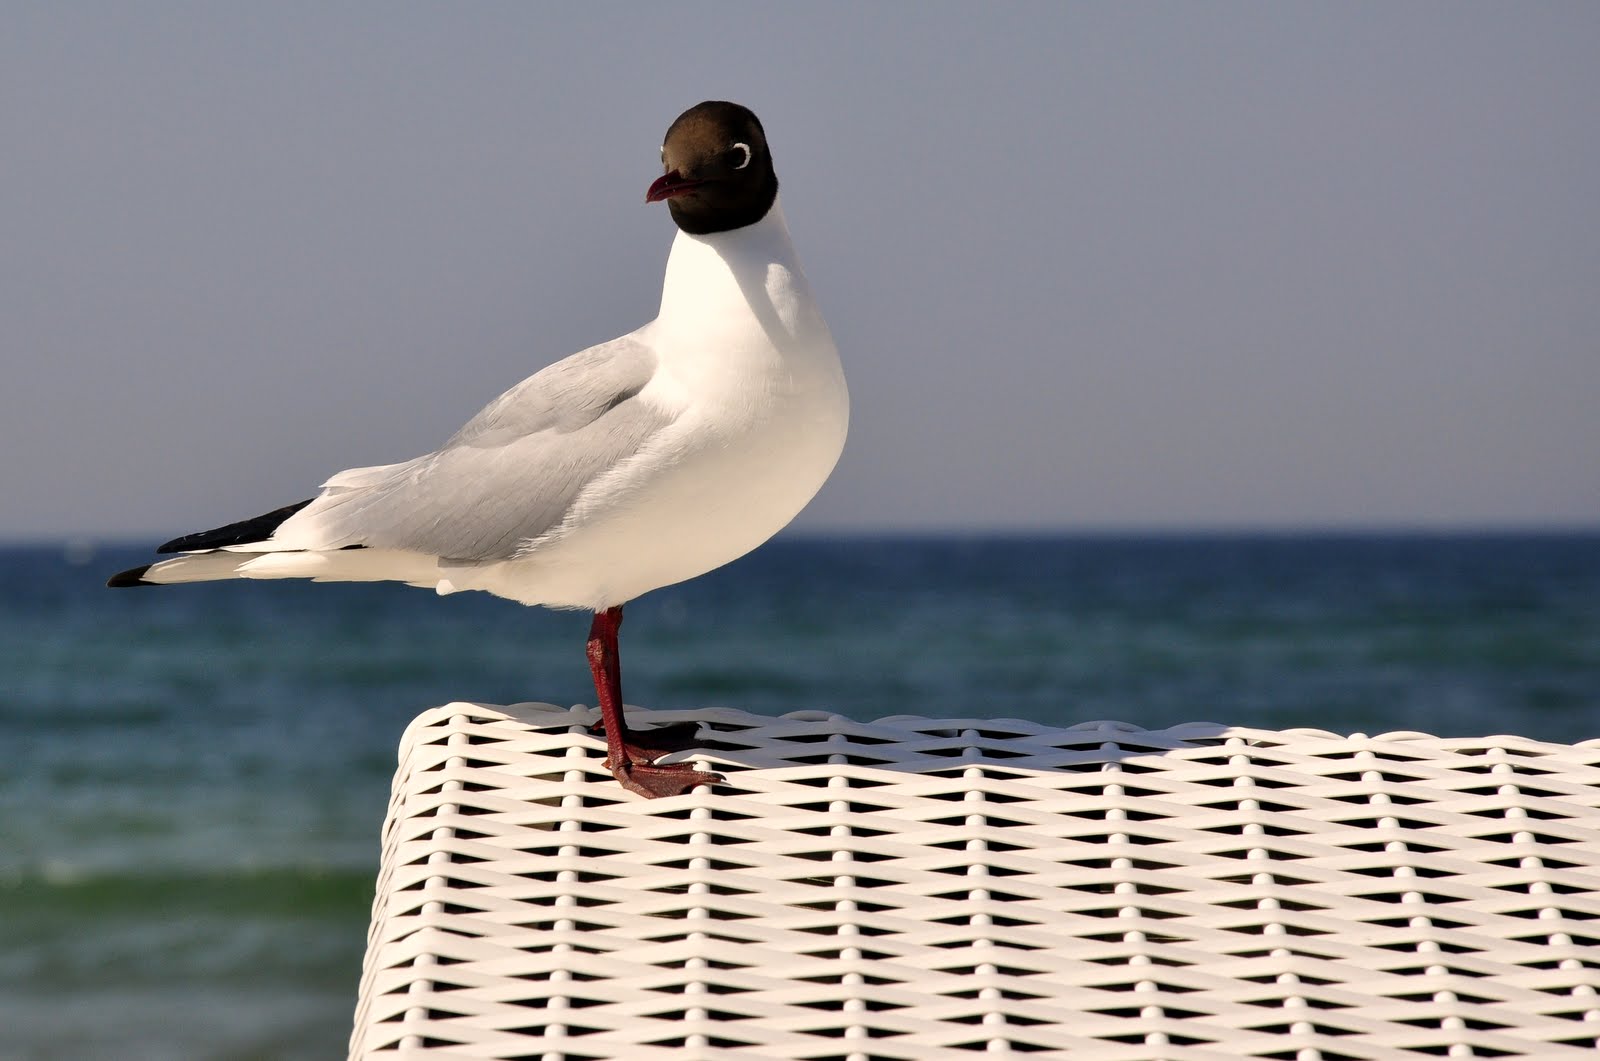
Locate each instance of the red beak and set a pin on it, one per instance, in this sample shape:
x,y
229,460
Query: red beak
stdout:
x,y
670,185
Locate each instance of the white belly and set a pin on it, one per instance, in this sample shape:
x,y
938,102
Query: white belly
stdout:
x,y
697,501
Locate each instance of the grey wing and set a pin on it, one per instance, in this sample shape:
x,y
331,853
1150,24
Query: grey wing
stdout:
x,y
508,476
566,396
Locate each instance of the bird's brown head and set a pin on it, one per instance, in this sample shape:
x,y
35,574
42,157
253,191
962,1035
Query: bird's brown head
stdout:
x,y
717,171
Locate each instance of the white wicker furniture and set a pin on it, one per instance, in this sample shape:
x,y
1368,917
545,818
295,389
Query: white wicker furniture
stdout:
x,y
926,889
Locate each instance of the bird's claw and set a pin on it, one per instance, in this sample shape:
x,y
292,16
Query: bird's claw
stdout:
x,y
653,782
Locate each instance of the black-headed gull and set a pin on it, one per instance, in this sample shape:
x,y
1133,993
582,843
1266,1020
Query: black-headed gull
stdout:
x,y
632,465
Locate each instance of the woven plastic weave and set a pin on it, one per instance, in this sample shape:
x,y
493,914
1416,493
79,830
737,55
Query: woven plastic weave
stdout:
x,y
925,889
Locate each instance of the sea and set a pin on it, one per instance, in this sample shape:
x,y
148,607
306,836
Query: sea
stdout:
x,y
193,778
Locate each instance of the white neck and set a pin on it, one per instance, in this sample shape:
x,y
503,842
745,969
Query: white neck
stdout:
x,y
735,281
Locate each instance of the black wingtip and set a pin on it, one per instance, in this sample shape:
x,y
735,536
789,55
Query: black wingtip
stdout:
x,y
245,532
134,576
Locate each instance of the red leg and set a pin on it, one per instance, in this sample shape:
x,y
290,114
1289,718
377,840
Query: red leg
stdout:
x,y
633,762
641,745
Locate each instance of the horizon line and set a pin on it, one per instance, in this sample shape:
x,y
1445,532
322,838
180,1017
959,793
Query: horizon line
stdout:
x,y
1396,529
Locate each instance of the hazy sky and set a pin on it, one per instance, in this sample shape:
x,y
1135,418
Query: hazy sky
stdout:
x,y
1119,265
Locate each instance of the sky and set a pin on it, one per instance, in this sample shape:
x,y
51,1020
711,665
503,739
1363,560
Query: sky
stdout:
x,y
1157,265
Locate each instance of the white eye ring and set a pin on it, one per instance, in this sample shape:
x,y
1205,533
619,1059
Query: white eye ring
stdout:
x,y
746,149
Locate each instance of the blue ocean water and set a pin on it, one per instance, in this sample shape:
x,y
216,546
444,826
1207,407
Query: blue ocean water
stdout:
x,y
194,777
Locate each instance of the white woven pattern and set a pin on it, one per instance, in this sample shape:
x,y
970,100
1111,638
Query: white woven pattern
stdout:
x,y
927,888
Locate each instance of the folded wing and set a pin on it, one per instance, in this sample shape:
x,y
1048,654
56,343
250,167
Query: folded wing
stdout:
x,y
508,476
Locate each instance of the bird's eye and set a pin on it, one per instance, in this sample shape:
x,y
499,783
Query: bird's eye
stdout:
x,y
744,148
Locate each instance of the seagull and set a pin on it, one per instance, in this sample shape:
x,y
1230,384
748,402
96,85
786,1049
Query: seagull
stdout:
x,y
632,465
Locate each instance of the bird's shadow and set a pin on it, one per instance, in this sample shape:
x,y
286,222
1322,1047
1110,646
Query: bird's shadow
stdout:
x,y
816,761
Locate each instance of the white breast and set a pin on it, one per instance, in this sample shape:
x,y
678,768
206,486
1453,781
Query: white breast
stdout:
x,y
751,377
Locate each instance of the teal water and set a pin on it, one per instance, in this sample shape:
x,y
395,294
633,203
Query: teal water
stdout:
x,y
195,776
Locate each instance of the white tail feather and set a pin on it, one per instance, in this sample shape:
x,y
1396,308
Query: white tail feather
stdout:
x,y
196,567
347,565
